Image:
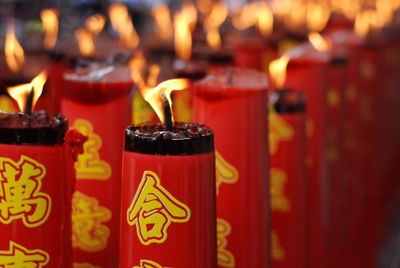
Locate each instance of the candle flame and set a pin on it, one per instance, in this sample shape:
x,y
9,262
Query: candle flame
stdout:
x,y
317,16
154,72
362,23
49,19
122,23
189,10
257,14
85,42
212,22
182,36
13,50
95,24
20,93
277,71
318,42
265,19
162,17
204,6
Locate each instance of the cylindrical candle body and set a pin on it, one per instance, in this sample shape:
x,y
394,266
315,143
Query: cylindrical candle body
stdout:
x,y
233,102
288,182
168,205
100,110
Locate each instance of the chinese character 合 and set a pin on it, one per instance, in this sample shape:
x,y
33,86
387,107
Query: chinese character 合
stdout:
x,y
153,209
19,257
20,196
148,264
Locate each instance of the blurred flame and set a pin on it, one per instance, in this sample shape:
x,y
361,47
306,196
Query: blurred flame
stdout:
x,y
49,19
183,36
318,42
20,93
277,71
95,24
298,18
362,23
154,71
13,50
212,22
137,65
122,23
190,12
256,14
162,17
265,19
317,16
204,6
85,42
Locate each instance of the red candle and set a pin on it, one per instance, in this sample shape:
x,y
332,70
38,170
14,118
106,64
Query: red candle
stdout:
x,y
233,102
97,103
36,178
168,197
288,179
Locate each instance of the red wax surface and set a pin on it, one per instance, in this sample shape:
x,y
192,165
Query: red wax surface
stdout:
x,y
99,109
189,180
233,102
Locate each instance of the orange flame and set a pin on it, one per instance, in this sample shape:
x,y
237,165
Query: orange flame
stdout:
x,y
182,36
277,71
189,10
256,14
154,72
49,19
13,50
318,42
20,93
95,24
317,16
204,6
162,17
214,19
122,23
85,42
265,19
363,23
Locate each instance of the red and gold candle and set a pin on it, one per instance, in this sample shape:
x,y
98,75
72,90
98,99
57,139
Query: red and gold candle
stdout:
x,y
233,102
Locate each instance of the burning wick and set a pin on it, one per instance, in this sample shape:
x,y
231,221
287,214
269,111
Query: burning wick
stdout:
x,y
167,112
29,102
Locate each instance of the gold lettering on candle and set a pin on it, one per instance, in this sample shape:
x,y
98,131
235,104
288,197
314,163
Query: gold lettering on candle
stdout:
x,y
88,231
6,104
225,257
84,265
148,264
333,98
279,131
20,196
226,173
89,165
367,70
278,253
153,209
279,202
19,257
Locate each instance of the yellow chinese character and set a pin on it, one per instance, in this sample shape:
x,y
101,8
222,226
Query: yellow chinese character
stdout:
x,y
278,253
6,104
19,257
153,209
225,257
20,196
333,98
367,70
88,232
148,264
85,265
279,202
279,131
226,173
89,165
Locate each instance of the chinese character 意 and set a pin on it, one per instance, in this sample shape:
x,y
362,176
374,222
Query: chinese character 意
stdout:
x,y
153,209
225,257
20,196
89,165
225,172
148,264
88,231
19,257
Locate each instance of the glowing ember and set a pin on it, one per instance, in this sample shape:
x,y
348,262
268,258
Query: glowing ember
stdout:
x,y
49,19
13,50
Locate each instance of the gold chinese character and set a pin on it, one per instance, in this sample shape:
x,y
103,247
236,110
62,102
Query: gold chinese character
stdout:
x,y
278,253
279,131
367,70
6,104
84,265
89,165
226,173
20,196
333,98
148,264
153,209
279,202
19,257
88,231
225,257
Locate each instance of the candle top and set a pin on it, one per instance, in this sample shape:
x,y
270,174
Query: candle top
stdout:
x,y
288,101
101,73
228,80
184,139
39,128
193,70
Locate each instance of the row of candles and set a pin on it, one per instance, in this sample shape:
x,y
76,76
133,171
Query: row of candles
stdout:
x,y
304,173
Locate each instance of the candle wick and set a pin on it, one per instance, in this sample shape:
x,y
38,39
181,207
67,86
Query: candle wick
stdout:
x,y
167,113
29,102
